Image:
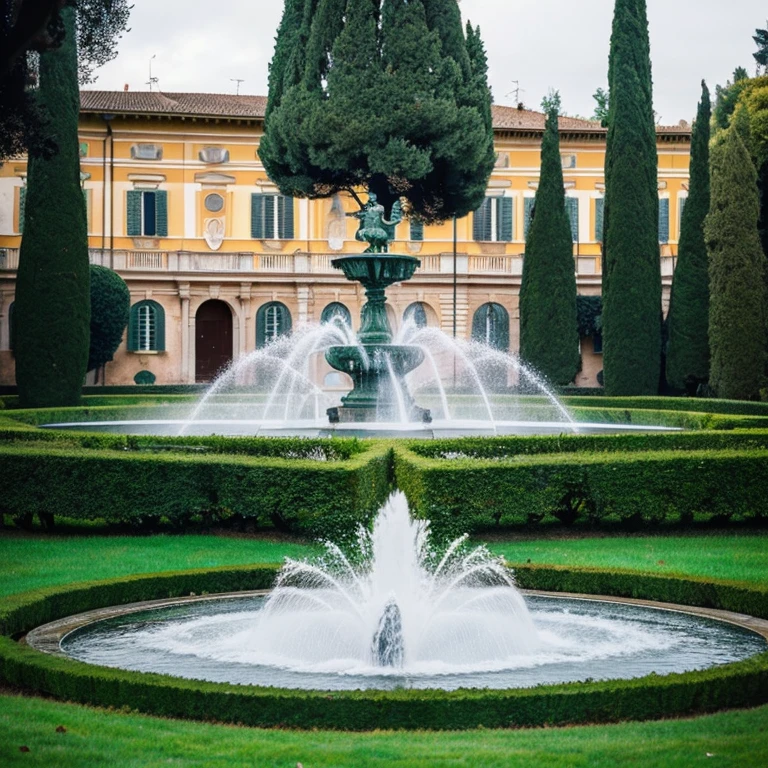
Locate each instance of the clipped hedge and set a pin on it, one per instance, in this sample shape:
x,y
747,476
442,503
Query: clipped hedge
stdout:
x,y
732,685
312,498
638,488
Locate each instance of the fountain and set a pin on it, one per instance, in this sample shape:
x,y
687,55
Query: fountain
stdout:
x,y
398,613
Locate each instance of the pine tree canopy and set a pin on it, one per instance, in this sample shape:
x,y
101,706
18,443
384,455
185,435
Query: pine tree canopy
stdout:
x,y
37,25
688,323
52,306
390,96
761,38
631,269
737,333
549,339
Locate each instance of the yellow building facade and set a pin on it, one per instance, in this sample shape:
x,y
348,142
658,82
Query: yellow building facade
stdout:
x,y
218,262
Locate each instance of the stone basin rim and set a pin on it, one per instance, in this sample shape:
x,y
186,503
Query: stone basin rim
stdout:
x,y
47,638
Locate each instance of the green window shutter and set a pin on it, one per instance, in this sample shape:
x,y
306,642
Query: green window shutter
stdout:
x,y
599,219
257,216
285,217
529,204
681,205
133,216
159,327
87,199
133,328
269,217
22,208
482,222
664,220
336,309
572,207
500,338
417,231
505,219
161,213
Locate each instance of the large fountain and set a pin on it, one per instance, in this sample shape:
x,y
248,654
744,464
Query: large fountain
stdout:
x,y
399,613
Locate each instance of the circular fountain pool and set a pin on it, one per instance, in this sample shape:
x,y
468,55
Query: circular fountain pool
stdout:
x,y
223,640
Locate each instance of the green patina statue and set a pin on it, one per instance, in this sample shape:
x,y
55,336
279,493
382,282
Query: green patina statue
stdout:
x,y
374,228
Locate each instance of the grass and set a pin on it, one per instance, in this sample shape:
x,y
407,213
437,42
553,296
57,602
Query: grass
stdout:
x,y
97,738
729,557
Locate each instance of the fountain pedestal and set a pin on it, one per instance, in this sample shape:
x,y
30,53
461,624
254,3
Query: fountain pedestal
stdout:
x,y
377,367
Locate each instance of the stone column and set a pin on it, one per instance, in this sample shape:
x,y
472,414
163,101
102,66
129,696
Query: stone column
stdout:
x,y
244,314
184,295
302,294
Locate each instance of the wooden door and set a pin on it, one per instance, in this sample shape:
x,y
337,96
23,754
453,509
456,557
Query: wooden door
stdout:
x,y
213,341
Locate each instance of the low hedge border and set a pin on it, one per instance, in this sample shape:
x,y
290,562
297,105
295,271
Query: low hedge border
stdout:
x,y
637,489
733,685
302,496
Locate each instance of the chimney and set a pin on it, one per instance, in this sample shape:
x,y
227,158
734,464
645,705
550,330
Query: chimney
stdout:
x,y
126,87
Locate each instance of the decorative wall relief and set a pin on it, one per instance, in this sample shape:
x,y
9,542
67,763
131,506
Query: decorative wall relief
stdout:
x,y
213,233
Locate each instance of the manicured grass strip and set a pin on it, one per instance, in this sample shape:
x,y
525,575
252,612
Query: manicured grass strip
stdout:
x,y
34,561
95,738
742,558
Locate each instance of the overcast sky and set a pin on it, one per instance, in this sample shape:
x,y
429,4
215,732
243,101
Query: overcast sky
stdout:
x,y
563,44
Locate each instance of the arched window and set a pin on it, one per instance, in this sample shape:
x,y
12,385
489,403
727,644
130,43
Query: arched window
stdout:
x,y
490,325
416,314
272,321
336,309
146,327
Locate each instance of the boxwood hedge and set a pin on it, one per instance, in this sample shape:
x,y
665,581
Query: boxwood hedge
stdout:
x,y
732,685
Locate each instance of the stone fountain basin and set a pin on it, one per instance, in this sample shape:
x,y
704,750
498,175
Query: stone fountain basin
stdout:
x,y
376,359
377,269
123,637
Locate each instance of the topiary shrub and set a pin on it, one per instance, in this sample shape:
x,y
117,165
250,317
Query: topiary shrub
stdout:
x,y
110,307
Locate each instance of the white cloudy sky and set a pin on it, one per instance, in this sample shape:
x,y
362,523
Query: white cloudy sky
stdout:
x,y
200,45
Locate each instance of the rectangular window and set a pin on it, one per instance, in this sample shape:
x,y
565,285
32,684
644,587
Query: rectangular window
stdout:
x,y
147,214
664,220
272,217
147,330
494,220
572,207
599,219
530,202
681,201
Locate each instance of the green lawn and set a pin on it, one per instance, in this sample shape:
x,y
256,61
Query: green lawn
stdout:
x,y
734,557
99,738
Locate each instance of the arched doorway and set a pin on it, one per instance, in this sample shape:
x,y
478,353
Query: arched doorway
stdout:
x,y
213,340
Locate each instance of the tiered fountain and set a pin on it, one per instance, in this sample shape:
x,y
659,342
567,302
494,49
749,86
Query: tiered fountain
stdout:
x,y
377,366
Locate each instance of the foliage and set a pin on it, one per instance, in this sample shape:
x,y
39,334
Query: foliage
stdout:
x,y
31,25
740,684
549,339
589,314
110,308
761,39
602,104
552,103
636,489
386,95
631,274
304,496
737,327
52,309
688,319
727,97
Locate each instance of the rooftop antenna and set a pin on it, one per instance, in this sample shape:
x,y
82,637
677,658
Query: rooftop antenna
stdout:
x,y
516,91
238,81
152,80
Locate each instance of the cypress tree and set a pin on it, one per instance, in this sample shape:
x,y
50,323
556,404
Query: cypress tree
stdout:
x,y
688,322
52,309
631,270
737,335
386,101
549,339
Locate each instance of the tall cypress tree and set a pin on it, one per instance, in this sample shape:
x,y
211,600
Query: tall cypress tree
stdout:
x,y
387,101
631,270
549,339
737,334
52,308
688,323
